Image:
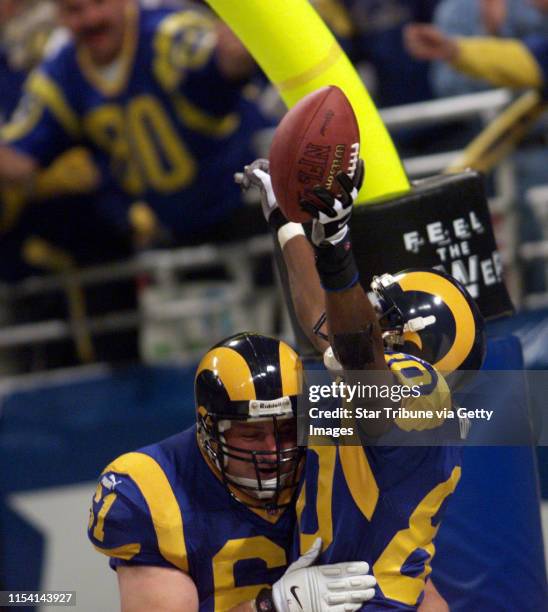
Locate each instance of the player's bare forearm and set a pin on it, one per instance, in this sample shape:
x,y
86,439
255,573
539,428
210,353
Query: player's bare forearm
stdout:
x,y
432,601
356,339
350,312
162,589
16,168
304,285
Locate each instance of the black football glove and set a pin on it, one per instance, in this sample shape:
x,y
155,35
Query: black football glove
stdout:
x,y
331,215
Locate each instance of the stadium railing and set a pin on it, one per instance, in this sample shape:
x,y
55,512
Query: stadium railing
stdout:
x,y
235,301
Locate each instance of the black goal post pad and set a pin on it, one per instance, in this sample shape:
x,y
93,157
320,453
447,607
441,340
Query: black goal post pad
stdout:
x,y
442,222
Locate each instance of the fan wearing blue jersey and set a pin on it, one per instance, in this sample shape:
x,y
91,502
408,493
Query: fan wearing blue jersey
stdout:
x,y
156,95
372,499
205,519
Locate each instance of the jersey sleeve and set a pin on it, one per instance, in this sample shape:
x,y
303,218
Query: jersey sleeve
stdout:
x,y
43,124
120,525
502,62
185,65
133,519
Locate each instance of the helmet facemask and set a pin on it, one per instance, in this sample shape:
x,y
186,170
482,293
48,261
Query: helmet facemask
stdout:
x,y
388,300
275,472
429,314
246,390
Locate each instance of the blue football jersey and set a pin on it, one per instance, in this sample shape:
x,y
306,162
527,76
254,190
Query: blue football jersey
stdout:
x,y
163,506
382,504
167,129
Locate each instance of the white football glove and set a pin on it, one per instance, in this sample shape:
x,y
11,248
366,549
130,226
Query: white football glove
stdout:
x,y
338,587
257,175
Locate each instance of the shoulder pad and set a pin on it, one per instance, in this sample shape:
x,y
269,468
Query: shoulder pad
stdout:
x,y
135,514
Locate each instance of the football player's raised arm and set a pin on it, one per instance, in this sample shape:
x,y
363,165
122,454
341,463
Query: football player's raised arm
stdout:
x,y
304,283
305,289
354,332
162,589
352,321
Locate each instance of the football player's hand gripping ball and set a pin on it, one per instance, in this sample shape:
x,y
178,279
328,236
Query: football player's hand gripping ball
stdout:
x,y
331,214
338,587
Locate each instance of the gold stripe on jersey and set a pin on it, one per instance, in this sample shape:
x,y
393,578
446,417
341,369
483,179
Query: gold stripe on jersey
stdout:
x,y
503,62
434,401
99,529
465,327
289,365
233,370
327,456
419,535
227,594
165,512
42,93
126,552
199,121
73,172
359,478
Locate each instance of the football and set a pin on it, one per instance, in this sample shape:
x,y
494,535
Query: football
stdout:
x,y
317,138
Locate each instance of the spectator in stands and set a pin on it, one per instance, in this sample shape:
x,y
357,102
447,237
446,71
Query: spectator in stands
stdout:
x,y
45,211
492,18
371,33
483,54
156,95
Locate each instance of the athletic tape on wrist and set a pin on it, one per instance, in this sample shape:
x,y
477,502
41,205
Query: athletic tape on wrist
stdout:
x,y
288,231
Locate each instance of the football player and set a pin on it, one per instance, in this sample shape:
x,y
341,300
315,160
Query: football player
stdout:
x,y
156,96
375,499
205,519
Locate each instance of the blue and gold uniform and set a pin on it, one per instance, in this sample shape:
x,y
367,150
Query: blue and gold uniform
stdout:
x,y
383,504
167,128
163,506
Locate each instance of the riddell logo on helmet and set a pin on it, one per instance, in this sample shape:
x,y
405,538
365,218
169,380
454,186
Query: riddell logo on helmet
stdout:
x,y
260,408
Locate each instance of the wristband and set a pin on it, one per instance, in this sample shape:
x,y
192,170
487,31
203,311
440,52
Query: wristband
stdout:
x,y
277,219
264,601
288,231
336,266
